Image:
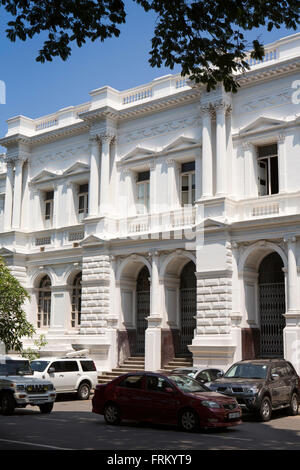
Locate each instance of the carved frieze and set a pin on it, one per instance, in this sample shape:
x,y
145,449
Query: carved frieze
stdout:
x,y
160,129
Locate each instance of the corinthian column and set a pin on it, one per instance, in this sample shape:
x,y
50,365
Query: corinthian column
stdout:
x,y
106,139
207,175
94,177
17,194
221,176
8,195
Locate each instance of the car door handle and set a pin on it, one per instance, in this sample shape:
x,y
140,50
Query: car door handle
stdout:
x,y
61,375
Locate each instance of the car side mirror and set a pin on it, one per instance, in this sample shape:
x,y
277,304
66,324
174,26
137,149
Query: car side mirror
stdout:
x,y
220,374
169,390
274,376
51,370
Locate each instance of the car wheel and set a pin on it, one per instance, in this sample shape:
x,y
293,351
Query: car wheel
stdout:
x,y
294,405
112,414
84,391
7,404
46,408
189,421
265,410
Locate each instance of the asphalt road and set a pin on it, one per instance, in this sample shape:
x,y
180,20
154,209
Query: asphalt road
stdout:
x,y
72,425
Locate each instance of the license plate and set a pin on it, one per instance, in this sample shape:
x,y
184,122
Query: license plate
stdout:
x,y
234,415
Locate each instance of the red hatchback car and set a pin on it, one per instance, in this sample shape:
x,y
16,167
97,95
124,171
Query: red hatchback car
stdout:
x,y
164,399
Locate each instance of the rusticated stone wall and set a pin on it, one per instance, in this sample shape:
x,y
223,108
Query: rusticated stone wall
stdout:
x,y
214,304
95,300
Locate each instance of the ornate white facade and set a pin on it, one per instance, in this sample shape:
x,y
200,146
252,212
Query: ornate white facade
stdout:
x,y
106,208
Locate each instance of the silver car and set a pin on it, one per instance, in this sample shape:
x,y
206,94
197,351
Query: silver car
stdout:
x,y
203,375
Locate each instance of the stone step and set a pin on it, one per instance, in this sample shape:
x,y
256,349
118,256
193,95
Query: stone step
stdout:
x,y
135,358
179,364
131,364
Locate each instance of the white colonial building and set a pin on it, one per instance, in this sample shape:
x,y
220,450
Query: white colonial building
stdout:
x,y
163,220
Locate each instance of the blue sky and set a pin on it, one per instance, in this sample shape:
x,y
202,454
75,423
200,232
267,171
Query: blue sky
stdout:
x,y
34,89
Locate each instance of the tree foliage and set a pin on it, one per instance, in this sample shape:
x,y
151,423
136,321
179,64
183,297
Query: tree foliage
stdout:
x,y
206,38
13,323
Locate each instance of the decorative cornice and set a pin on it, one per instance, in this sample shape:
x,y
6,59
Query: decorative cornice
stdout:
x,y
267,72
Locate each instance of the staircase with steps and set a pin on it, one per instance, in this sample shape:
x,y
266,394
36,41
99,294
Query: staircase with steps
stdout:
x,y
132,364
136,364
178,362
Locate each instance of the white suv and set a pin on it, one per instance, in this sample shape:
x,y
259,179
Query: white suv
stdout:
x,y
68,374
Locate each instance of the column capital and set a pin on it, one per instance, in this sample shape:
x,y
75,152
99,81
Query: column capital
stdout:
x,y
10,164
153,253
106,136
281,138
247,146
207,109
172,162
16,159
290,239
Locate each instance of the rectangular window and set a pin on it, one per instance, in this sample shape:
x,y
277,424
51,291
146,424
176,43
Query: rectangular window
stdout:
x,y
188,185
143,192
267,160
83,201
48,214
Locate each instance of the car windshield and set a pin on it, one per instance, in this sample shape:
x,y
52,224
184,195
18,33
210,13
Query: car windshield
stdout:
x,y
187,384
39,366
248,371
15,367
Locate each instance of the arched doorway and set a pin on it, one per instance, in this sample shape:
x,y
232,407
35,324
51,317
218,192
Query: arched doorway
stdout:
x,y
271,297
187,307
142,308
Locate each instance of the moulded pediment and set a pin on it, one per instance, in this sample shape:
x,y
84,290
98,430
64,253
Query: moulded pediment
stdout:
x,y
44,175
91,240
181,142
78,167
262,123
138,153
6,252
297,119
212,223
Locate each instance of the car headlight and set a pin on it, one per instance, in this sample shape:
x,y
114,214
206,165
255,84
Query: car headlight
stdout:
x,y
210,404
49,387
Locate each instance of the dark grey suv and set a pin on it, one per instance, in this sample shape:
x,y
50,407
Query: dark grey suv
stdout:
x,y
261,386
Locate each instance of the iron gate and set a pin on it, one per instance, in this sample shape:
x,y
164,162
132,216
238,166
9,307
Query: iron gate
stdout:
x,y
143,311
272,307
188,320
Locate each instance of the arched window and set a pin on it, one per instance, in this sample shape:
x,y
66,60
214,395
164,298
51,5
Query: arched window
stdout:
x,y
44,303
76,301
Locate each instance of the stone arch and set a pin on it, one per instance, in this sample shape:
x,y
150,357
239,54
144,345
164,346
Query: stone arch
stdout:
x,y
174,262
250,295
254,254
126,284
170,277
131,266
70,274
37,275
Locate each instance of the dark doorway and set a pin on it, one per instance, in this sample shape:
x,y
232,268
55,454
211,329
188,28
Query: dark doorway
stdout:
x,y
187,307
271,306
142,308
